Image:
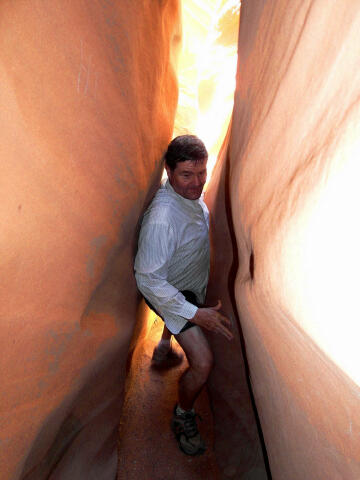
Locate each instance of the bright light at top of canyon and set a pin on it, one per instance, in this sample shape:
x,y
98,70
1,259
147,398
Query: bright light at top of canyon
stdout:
x,y
207,70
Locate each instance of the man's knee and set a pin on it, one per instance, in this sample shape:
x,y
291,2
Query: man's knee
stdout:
x,y
198,352
202,367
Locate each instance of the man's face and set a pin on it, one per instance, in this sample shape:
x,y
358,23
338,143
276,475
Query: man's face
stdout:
x,y
188,178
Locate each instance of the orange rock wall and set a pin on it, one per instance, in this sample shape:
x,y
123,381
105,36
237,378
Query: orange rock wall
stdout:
x,y
88,98
88,95
294,195
237,439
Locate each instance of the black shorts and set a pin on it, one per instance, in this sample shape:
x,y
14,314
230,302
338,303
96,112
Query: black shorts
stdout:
x,y
190,297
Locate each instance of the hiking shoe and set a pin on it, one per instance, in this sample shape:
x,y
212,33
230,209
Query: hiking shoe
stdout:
x,y
164,358
186,432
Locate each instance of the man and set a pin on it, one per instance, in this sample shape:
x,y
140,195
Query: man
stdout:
x,y
172,269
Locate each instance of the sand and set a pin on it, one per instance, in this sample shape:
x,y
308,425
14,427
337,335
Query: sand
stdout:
x,y
147,447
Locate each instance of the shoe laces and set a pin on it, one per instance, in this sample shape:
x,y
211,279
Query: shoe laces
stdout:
x,y
190,426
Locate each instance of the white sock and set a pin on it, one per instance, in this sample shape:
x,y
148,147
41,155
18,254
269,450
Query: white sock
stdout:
x,y
180,410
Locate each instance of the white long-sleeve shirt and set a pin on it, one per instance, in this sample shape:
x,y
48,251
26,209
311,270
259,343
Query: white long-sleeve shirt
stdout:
x,y
173,255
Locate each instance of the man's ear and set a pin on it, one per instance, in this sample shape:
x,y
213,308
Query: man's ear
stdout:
x,y
168,170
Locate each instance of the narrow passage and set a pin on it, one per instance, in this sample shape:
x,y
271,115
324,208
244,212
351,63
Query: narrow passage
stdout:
x,y
147,447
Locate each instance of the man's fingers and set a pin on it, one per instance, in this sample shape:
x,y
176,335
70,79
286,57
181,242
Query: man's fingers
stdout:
x,y
218,327
225,321
217,306
223,327
226,332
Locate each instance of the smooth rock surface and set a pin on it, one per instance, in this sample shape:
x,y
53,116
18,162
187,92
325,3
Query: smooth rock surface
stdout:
x,y
293,176
88,99
237,439
88,96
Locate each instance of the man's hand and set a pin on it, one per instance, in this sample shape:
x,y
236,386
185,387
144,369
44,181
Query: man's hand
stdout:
x,y
211,319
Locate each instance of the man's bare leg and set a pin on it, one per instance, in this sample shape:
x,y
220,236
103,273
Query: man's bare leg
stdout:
x,y
200,359
166,335
163,355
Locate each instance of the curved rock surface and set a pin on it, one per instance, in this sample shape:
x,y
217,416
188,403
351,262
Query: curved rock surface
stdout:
x,y
88,100
88,96
237,442
294,195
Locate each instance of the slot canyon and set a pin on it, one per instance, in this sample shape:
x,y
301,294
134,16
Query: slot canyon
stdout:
x,y
89,102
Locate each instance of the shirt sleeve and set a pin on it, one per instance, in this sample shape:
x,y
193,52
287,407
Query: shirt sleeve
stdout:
x,y
157,244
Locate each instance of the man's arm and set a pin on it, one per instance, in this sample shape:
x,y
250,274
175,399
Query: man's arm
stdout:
x,y
157,245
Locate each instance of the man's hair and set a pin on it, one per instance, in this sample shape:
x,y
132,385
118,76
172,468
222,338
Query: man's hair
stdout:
x,y
185,147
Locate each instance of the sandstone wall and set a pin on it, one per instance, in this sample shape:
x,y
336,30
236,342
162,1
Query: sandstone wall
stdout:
x,y
88,95
237,439
88,98
294,191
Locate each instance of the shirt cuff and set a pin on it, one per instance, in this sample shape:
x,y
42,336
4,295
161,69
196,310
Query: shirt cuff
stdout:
x,y
188,310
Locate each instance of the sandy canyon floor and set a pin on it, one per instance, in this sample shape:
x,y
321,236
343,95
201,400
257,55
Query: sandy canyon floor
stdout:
x,y
147,447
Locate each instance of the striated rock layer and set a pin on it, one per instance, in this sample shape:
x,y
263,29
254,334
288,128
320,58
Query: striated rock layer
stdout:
x,y
294,195
88,95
